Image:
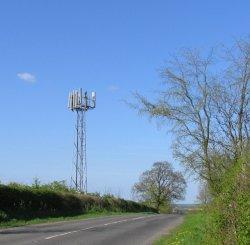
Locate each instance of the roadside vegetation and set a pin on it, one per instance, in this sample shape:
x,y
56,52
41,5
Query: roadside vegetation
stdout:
x,y
190,232
205,101
229,210
225,219
23,204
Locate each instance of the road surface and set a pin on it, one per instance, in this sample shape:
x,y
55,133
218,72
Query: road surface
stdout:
x,y
113,230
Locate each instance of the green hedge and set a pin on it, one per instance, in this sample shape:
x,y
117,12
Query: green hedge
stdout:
x,y
25,202
229,212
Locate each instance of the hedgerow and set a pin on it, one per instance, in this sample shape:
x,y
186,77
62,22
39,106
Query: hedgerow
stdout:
x,y
26,202
229,212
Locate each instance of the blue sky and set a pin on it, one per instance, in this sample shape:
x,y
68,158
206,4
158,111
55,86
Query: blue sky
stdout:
x,y
113,47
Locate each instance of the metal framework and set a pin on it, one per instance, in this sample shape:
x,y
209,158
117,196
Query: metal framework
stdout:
x,y
80,103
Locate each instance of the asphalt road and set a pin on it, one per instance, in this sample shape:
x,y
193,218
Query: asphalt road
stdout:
x,y
115,230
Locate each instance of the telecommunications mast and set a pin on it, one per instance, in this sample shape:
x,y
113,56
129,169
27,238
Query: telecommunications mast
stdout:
x,y
80,103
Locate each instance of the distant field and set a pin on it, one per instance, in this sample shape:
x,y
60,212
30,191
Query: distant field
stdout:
x,y
186,206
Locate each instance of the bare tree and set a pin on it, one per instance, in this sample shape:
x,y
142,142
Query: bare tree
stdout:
x,y
160,185
204,195
230,96
207,105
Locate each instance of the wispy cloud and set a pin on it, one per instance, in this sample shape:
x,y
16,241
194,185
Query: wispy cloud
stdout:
x,y
27,77
113,88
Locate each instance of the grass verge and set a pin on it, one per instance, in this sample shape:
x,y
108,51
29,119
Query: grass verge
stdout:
x,y
16,223
190,232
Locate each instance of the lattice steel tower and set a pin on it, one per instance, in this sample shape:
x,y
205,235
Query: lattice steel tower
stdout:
x,y
80,103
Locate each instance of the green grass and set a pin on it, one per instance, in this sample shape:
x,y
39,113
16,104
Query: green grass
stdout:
x,y
16,223
190,232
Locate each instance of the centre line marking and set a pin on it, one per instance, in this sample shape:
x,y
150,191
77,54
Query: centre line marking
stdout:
x,y
97,226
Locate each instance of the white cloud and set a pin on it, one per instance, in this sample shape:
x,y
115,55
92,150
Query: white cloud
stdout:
x,y
28,77
113,88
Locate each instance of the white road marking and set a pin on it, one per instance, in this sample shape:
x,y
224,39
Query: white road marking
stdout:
x,y
97,226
